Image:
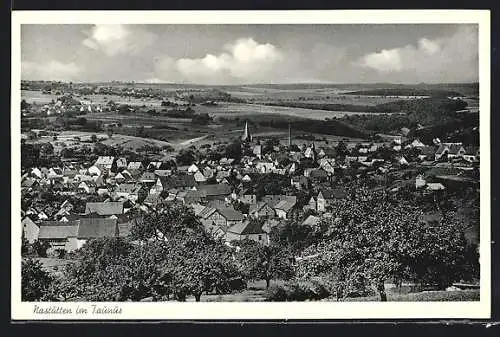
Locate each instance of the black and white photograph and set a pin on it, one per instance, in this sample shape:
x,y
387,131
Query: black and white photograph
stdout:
x,y
167,163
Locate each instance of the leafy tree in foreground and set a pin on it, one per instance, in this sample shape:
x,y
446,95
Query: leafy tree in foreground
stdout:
x,y
260,262
370,241
34,280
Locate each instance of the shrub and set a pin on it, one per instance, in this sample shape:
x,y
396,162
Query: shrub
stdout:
x,y
297,291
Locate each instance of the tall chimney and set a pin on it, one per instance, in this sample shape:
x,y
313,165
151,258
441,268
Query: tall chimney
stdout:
x,y
289,135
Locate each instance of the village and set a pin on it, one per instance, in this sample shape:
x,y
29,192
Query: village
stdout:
x,y
226,194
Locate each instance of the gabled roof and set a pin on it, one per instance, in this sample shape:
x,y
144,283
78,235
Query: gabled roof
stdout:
x,y
215,189
97,228
230,214
247,227
441,149
206,212
135,165
175,181
335,193
163,173
58,229
128,188
311,221
105,160
455,148
285,205
104,208
148,176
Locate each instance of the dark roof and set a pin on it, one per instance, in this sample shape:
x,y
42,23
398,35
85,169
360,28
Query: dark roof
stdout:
x,y
215,189
247,227
104,208
97,228
334,193
428,150
174,181
58,229
318,173
230,214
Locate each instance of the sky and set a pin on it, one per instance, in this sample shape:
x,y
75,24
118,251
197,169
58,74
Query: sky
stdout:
x,y
251,54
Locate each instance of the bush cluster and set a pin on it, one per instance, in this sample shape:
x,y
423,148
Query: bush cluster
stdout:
x,y
297,291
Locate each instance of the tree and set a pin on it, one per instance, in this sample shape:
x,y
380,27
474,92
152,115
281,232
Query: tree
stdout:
x,y
93,138
234,151
185,157
371,239
257,261
341,148
34,280
109,132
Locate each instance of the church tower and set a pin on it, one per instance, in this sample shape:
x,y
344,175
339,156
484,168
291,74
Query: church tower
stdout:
x,y
246,134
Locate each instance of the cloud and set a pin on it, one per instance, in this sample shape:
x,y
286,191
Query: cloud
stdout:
x,y
118,39
453,57
51,70
245,59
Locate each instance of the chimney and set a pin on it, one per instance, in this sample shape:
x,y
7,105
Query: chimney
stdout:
x,y
289,135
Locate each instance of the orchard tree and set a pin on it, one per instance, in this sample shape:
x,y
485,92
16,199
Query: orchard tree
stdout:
x,y
260,262
371,240
34,280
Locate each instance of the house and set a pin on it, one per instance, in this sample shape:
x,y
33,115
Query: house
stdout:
x,y
248,198
261,210
318,175
420,181
312,204
30,229
135,168
328,165
212,218
326,196
299,182
246,179
215,191
249,229
264,166
154,165
104,208
128,191
311,221
441,151
427,153
121,163
95,170
93,228
86,187
193,169
221,175
471,153
199,177
456,151
104,162
174,181
231,215
257,151
152,200
147,178
59,234
435,187
285,206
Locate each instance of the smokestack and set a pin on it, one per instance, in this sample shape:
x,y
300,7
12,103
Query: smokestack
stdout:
x,y
289,135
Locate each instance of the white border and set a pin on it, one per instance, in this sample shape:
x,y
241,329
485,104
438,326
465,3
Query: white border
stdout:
x,y
291,310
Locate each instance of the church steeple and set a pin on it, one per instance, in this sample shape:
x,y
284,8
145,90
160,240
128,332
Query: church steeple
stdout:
x,y
246,134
